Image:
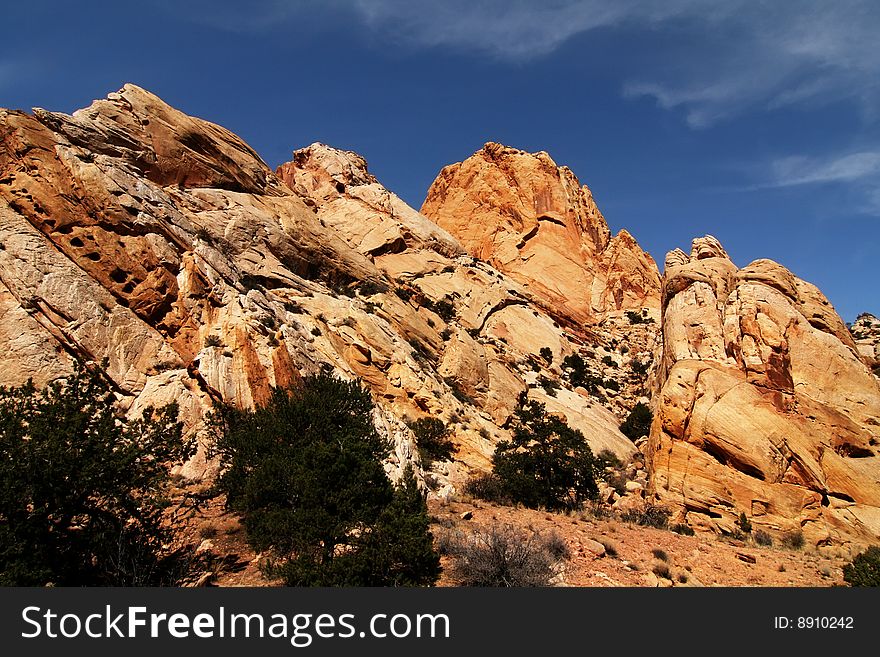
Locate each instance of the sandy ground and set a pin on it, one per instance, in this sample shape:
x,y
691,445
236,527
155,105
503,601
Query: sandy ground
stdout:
x,y
702,560
632,554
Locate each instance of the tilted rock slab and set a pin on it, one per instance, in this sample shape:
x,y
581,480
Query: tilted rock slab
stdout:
x,y
765,407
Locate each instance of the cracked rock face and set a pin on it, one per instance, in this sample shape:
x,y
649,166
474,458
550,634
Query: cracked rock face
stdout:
x,y
162,242
534,221
765,407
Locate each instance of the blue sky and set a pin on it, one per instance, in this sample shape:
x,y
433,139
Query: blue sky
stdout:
x,y
757,122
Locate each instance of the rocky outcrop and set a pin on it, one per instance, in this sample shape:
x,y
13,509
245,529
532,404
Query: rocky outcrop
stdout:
x,y
865,332
348,199
161,242
534,221
765,407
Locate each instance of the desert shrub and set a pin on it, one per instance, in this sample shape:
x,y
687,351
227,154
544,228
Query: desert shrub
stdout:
x,y
744,523
762,538
546,354
609,545
557,546
445,309
575,369
615,477
420,353
316,331
794,540
487,487
546,463
305,473
213,341
661,570
660,554
550,386
82,489
652,515
638,422
404,293
609,361
607,459
864,569
369,288
506,556
208,531
639,368
634,317
432,440
683,529
611,384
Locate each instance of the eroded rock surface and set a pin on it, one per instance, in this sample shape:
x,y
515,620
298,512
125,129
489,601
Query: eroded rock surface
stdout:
x,y
162,242
765,407
534,221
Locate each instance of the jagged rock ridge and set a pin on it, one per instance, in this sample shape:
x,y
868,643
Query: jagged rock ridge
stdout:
x,y
163,243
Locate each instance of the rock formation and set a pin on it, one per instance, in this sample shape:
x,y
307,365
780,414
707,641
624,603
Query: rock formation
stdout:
x,y
534,221
161,242
765,407
866,334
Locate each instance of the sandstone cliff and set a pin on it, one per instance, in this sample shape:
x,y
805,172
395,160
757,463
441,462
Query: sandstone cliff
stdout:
x,y
765,407
132,232
534,221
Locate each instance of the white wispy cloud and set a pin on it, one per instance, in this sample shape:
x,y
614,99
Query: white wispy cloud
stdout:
x,y
507,29
785,54
717,58
799,170
728,56
857,172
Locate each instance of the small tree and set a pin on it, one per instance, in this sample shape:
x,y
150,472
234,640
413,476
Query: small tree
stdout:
x,y
305,472
864,570
546,463
82,489
638,422
574,368
546,354
432,440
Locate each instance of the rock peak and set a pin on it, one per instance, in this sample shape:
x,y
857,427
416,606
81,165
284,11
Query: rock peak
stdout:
x,y
533,219
707,247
